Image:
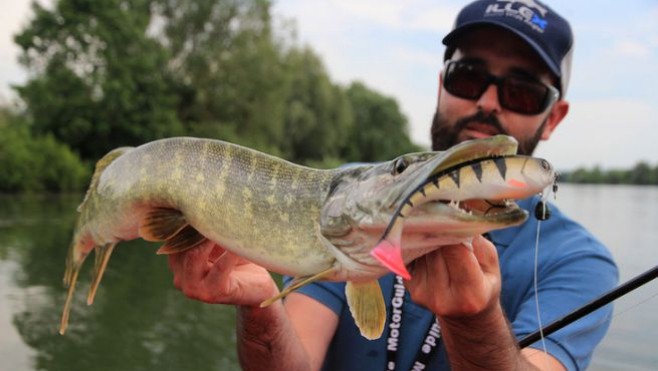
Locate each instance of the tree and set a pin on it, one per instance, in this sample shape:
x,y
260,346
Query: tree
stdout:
x,y
318,115
380,129
35,164
98,80
228,69
111,73
641,174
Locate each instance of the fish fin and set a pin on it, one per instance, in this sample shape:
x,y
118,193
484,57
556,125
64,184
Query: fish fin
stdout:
x,y
101,165
216,254
70,279
367,306
185,239
468,242
103,254
297,283
161,224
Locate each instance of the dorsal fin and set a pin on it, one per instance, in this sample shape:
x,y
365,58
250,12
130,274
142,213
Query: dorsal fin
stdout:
x,y
161,224
185,239
101,164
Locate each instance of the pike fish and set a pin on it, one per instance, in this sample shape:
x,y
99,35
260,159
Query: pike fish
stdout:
x,y
353,223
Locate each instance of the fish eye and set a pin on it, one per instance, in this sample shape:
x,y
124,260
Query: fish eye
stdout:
x,y
545,165
400,166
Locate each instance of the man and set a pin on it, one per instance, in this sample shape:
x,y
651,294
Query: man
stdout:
x,y
506,71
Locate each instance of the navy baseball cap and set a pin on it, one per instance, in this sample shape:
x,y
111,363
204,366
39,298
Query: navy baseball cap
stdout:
x,y
543,29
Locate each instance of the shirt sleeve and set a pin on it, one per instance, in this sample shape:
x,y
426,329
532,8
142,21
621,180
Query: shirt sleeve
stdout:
x,y
331,294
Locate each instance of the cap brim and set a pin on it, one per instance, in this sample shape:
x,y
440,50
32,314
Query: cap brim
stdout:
x,y
455,34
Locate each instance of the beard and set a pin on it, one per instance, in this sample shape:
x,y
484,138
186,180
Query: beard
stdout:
x,y
445,135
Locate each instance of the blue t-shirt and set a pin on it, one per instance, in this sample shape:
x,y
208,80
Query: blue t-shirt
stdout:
x,y
573,268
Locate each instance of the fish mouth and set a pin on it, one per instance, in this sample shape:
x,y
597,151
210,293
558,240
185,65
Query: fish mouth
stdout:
x,y
468,217
469,188
392,213
477,195
481,208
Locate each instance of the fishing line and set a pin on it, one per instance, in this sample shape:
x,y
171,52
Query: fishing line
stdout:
x,y
593,305
540,216
524,343
635,306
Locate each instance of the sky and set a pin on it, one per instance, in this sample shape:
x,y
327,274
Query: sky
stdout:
x,y
395,48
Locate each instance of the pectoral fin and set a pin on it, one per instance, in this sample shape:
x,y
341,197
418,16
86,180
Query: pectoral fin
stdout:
x,y
161,224
297,283
185,239
367,306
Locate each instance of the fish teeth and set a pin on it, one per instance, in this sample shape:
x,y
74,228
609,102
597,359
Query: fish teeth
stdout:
x,y
457,206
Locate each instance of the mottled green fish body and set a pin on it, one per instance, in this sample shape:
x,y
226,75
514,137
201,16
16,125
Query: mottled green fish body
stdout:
x,y
263,207
294,220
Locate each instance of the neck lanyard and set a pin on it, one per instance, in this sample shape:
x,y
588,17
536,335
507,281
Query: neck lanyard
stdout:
x,y
395,323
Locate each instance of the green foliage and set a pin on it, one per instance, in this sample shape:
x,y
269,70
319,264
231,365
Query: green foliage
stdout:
x,y
99,80
36,164
113,73
227,69
380,129
318,115
641,174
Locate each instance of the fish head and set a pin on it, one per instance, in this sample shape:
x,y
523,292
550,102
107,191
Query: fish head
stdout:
x,y
430,199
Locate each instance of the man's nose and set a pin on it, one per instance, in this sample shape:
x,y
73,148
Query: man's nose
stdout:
x,y
488,101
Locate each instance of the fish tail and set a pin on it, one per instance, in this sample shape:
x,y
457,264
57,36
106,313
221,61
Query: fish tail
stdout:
x,y
81,245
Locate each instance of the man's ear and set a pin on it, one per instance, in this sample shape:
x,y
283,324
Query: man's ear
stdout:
x,y
558,112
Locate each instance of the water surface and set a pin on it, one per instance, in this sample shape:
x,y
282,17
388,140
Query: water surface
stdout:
x,y
138,321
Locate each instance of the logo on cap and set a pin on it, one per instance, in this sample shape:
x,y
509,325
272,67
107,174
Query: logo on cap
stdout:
x,y
524,10
529,3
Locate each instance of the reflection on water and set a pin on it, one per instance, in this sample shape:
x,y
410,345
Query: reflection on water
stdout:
x,y
140,322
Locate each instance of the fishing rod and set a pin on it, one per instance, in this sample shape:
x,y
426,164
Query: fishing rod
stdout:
x,y
595,304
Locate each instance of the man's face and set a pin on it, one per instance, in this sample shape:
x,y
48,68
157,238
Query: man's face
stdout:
x,y
500,53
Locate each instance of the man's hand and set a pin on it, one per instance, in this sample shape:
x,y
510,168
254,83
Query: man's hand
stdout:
x,y
455,282
213,275
462,287
266,337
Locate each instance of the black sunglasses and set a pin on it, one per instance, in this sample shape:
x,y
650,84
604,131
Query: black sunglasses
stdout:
x,y
516,93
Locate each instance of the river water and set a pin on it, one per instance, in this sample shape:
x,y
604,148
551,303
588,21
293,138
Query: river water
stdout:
x,y
140,322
